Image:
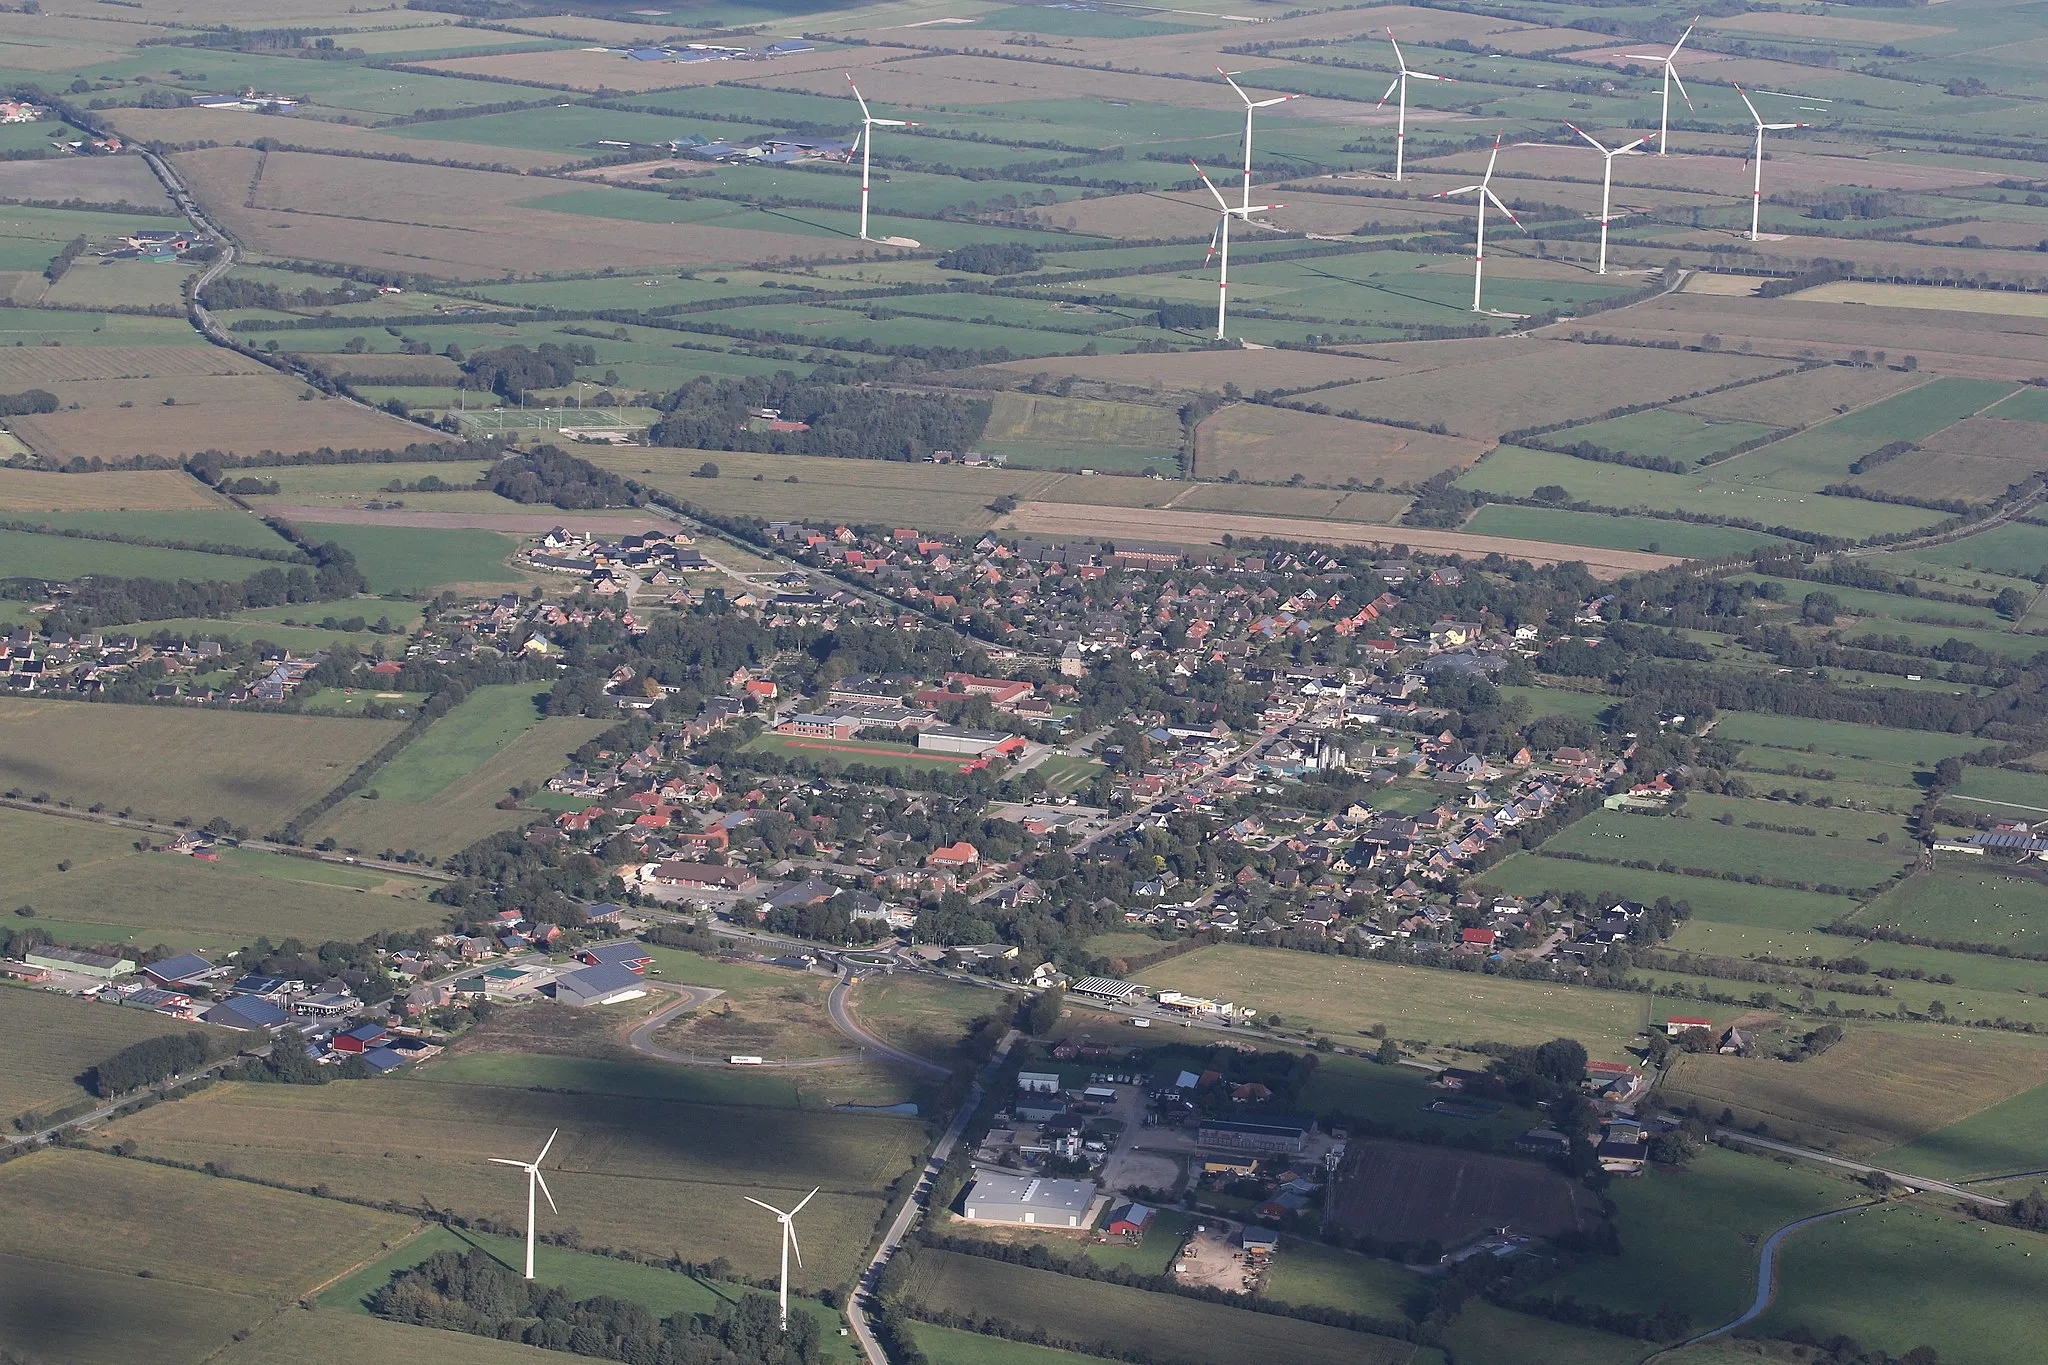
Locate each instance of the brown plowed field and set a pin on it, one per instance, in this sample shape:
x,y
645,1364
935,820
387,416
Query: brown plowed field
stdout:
x,y
1209,528
1399,1192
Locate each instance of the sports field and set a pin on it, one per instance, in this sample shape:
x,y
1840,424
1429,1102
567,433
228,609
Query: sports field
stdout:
x,y
254,769
868,752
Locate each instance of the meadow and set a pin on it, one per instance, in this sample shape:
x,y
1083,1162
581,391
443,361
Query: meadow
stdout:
x,y
1998,1140
1967,902
1657,536
31,490
326,1334
1902,1275
214,526
1843,851
1346,996
1089,1313
50,1041
25,554
461,741
657,1176
253,769
1668,433
406,560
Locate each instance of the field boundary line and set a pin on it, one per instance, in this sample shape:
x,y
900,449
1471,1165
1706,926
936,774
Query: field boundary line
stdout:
x,y
421,1227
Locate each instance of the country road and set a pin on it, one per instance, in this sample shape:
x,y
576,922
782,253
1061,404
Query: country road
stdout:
x,y
1921,1183
920,1198
843,1020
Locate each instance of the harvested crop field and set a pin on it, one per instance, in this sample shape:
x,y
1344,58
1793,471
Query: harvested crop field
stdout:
x,y
2002,302
1273,444
1482,390
459,223
228,126
138,490
1205,371
1109,1319
1800,400
1976,460
1873,1090
48,1040
1208,528
255,769
242,414
1401,1192
23,367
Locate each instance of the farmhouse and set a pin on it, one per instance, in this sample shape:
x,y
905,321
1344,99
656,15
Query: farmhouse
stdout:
x,y
999,1197
1255,1135
599,986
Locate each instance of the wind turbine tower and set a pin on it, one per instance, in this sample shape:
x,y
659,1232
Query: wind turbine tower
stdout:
x,y
1756,193
868,124
1669,61
1249,105
1484,194
788,1221
533,1181
1607,156
1219,244
1401,84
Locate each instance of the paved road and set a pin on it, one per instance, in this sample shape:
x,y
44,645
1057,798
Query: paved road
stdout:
x,y
920,1198
641,1039
843,1020
1912,1182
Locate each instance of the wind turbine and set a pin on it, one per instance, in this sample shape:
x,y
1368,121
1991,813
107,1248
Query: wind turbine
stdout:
x,y
1607,178
1401,84
1249,105
1484,191
532,1169
1668,62
1219,244
1756,194
788,1221
868,124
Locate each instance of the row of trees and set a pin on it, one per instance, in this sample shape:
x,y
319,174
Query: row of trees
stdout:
x,y
150,1061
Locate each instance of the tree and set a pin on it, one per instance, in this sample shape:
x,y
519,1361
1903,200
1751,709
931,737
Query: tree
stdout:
x,y
1389,1053
707,470
1042,1016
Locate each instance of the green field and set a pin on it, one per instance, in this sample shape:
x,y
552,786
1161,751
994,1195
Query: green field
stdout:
x,y
328,1335
1306,1272
459,743
1964,901
1822,454
222,527
2016,547
24,554
1843,852
1665,432
1903,1276
1614,532
830,753
397,559
1994,1141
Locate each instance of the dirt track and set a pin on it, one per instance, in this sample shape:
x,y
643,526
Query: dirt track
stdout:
x,y
1209,528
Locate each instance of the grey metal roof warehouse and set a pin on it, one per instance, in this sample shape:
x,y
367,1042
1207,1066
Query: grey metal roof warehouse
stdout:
x,y
1003,1197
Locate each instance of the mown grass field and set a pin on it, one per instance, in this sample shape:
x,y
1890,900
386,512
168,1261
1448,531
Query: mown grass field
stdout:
x,y
656,1176
952,1346
925,1017
466,808
1901,1276
402,559
1843,851
1090,1313
1671,433
24,491
256,770
295,1334
469,735
1877,1089
49,1041
1993,1141
25,554
1346,996
1613,532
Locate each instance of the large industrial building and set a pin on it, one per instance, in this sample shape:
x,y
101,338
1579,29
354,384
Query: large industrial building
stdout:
x,y
1001,1197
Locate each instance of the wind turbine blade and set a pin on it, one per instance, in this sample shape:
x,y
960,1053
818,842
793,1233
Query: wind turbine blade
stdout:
x,y
1399,60
1212,189
1794,95
1751,107
1586,135
1268,104
1683,36
1642,57
544,1146
1462,189
770,1207
1425,76
506,1161
795,1247
893,123
1631,146
803,1201
1235,86
1681,89
1503,208
857,95
1780,127
1210,255
1494,156
542,1182
1391,88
